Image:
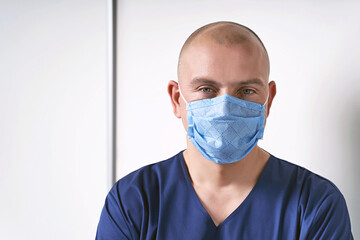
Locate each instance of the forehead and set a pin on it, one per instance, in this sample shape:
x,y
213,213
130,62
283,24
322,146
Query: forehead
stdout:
x,y
223,63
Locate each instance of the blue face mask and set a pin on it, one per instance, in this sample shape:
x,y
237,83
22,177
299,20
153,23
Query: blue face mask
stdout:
x,y
225,129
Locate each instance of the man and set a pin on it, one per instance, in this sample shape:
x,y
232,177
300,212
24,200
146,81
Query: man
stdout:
x,y
223,186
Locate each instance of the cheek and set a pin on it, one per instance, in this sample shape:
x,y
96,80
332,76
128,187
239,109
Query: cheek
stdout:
x,y
266,113
183,113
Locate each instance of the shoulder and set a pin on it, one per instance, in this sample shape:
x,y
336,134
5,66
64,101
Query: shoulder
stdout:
x,y
149,176
311,188
303,188
304,180
321,206
147,181
130,200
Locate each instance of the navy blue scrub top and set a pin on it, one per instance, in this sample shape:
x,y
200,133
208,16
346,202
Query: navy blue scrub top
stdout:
x,y
158,201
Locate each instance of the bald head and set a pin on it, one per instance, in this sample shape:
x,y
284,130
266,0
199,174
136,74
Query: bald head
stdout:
x,y
223,33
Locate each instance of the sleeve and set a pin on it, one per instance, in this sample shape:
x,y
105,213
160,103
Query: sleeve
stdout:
x,y
330,220
113,223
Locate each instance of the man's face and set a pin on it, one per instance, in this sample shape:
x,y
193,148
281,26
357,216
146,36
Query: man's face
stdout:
x,y
208,70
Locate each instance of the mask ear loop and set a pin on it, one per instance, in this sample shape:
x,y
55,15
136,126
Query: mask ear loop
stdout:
x,y
182,94
185,101
267,98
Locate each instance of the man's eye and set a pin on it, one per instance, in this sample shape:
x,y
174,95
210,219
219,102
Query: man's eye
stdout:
x,y
248,91
206,90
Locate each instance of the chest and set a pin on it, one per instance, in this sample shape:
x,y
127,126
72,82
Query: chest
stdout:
x,y
188,219
177,211
221,203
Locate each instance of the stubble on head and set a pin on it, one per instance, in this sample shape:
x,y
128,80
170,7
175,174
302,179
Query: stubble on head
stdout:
x,y
223,33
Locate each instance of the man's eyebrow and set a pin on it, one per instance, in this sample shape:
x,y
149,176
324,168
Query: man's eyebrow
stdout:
x,y
198,81
256,81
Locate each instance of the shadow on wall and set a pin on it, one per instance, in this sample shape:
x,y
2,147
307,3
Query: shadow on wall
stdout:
x,y
351,115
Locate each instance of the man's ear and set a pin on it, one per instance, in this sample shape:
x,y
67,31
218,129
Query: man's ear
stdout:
x,y
272,93
173,90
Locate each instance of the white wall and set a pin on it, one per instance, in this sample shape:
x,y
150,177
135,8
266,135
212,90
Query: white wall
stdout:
x,y
53,163
314,53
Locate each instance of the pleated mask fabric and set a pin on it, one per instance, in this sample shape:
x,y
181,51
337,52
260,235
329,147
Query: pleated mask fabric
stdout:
x,y
225,129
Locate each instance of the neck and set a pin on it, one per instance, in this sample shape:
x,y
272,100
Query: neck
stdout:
x,y
213,175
